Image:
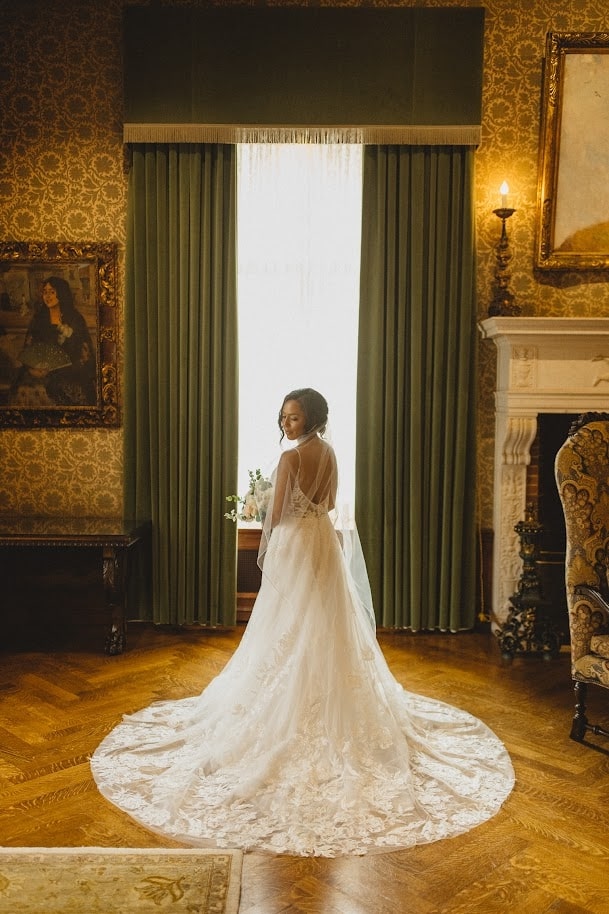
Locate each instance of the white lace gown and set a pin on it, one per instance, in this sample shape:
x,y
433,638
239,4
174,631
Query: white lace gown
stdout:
x,y
305,743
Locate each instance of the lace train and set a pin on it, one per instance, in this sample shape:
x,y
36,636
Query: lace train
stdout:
x,y
305,743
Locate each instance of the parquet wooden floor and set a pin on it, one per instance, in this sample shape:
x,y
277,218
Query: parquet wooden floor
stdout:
x,y
547,850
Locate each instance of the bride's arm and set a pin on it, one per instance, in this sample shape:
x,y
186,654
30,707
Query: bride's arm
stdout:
x,y
333,482
283,485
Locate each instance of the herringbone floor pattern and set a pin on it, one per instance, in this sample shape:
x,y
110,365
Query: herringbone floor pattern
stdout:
x,y
546,851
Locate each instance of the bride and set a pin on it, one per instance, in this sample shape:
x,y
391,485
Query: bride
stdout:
x,y
305,743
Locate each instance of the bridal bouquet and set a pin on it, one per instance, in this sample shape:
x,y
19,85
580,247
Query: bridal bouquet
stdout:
x,y
253,505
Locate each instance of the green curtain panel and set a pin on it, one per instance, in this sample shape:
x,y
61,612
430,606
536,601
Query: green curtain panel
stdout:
x,y
415,460
181,375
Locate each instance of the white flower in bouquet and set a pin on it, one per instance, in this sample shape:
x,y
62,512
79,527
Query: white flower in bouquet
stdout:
x,y
254,504
250,509
263,490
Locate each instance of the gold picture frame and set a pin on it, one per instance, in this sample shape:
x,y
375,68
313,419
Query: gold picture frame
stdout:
x,y
573,187
58,335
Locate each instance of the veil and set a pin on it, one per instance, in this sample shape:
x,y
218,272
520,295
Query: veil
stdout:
x,y
305,489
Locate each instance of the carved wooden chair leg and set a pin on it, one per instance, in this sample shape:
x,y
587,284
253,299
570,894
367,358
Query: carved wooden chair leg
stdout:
x,y
580,721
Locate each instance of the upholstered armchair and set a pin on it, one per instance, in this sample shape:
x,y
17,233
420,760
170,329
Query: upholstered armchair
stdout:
x,y
582,476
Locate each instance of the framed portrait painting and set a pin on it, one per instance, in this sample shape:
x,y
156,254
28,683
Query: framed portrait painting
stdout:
x,y
573,189
58,335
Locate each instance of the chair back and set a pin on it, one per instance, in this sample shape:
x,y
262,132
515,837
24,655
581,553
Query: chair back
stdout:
x,y
582,477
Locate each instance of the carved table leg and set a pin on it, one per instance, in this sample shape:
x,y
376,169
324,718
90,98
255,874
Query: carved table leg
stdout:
x,y
114,589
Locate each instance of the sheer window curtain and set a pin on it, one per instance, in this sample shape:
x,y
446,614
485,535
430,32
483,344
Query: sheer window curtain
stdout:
x,y
416,386
180,379
298,256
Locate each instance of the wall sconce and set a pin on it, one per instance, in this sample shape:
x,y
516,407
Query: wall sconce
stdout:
x,y
503,300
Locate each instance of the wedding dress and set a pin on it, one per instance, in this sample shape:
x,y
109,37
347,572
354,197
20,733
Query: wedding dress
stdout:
x,y
305,743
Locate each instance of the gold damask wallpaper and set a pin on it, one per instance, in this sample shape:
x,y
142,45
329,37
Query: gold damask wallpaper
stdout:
x,y
63,178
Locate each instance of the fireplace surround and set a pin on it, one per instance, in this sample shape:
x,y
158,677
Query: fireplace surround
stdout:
x,y
544,365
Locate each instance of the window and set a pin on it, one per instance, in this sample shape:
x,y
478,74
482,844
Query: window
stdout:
x,y
298,255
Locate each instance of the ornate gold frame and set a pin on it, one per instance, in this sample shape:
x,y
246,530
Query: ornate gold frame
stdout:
x,y
95,268
586,247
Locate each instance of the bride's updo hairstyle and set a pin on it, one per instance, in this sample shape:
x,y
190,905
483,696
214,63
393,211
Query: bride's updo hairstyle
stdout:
x,y
314,406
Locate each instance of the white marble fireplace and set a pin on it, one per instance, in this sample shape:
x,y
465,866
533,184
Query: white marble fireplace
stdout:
x,y
544,365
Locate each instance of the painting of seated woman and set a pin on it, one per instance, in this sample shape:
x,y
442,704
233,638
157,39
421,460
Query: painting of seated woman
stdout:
x,y
58,335
58,356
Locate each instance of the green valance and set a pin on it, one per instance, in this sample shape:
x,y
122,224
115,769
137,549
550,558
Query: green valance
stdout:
x,y
285,74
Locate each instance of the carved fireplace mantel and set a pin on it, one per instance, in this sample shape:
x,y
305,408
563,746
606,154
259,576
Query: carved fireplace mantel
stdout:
x,y
544,365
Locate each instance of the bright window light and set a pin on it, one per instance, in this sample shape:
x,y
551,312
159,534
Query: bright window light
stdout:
x,y
298,256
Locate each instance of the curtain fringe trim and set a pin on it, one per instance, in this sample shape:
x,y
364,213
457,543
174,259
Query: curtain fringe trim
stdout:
x,y
406,135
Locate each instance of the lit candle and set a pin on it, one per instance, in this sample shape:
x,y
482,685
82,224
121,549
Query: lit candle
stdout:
x,y
504,191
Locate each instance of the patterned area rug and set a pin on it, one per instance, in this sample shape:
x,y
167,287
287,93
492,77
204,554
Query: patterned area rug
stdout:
x,y
101,880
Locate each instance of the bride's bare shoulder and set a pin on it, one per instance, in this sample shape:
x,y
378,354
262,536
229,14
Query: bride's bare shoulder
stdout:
x,y
290,460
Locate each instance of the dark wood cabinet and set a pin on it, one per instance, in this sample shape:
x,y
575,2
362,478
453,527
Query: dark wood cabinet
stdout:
x,y
112,541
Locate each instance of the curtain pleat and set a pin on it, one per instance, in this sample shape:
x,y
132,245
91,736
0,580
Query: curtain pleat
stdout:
x,y
181,375
415,460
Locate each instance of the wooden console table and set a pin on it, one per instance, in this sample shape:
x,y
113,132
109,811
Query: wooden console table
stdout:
x,y
248,573
116,538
